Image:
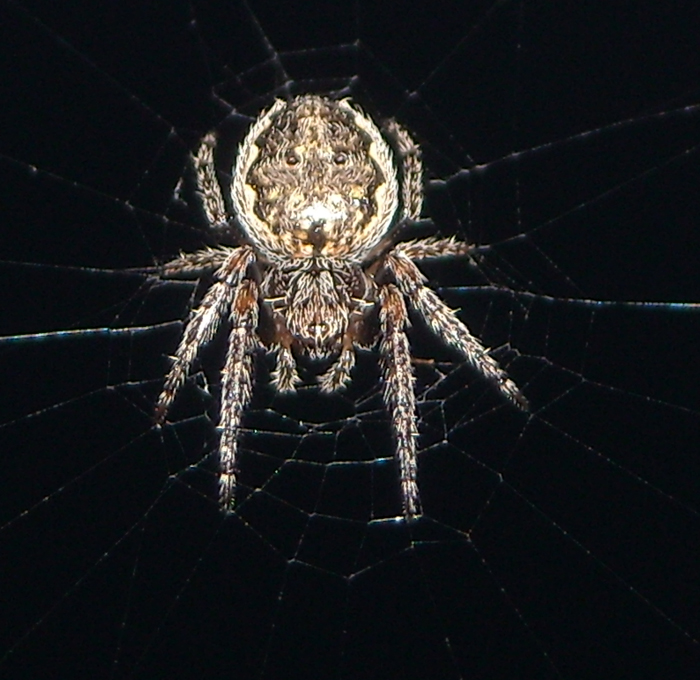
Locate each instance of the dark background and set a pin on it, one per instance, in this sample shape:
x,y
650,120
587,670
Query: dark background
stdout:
x,y
560,543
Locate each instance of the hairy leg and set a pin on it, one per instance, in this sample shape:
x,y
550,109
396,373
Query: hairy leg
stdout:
x,y
399,396
203,324
432,248
236,385
411,170
444,323
208,183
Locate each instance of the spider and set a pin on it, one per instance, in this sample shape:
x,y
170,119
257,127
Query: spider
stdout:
x,y
319,194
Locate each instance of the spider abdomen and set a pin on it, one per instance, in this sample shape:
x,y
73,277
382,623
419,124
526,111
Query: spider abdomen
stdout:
x,y
315,178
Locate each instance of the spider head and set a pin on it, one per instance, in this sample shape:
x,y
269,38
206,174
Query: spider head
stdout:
x,y
315,178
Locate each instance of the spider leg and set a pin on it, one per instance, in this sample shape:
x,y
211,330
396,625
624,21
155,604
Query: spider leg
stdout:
x,y
411,170
444,323
236,384
430,248
399,396
193,265
203,325
208,183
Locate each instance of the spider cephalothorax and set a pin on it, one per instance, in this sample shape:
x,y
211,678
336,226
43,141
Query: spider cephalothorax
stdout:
x,y
319,192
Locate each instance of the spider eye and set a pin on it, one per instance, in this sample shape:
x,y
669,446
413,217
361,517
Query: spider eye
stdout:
x,y
292,158
340,158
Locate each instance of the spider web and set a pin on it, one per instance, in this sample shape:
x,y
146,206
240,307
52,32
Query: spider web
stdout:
x,y
562,543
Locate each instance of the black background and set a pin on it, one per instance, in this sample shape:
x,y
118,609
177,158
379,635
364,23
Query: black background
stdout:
x,y
561,543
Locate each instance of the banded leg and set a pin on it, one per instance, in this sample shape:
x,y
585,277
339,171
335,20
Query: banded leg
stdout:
x,y
444,323
203,325
432,248
399,396
208,183
411,171
236,385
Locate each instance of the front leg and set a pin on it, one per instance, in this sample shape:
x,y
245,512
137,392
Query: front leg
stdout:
x,y
193,265
399,395
236,385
